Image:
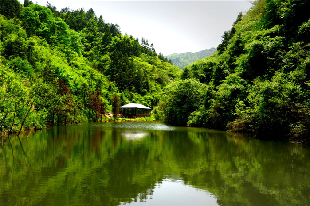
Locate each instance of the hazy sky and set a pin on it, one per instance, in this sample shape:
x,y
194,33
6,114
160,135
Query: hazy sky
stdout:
x,y
172,26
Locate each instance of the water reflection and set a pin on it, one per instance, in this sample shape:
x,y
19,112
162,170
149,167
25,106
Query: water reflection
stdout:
x,y
138,126
134,135
179,194
95,164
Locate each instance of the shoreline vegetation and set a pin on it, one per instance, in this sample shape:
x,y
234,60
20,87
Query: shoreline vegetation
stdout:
x,y
69,66
257,82
107,119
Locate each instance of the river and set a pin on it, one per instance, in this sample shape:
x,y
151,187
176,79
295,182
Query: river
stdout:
x,y
150,163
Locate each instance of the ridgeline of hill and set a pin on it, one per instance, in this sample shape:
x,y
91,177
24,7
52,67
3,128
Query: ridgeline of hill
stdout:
x,y
59,67
258,81
184,59
66,66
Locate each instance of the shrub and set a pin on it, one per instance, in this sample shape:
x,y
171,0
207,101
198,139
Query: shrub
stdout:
x,y
180,99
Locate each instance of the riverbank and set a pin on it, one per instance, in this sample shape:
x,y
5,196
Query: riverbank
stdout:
x,y
303,141
139,119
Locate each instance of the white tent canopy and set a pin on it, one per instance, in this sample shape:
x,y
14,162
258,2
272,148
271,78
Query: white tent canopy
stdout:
x,y
134,106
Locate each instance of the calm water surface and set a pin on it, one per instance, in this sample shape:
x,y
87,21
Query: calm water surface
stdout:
x,y
150,163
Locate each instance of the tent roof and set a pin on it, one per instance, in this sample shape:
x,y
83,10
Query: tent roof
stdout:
x,y
134,106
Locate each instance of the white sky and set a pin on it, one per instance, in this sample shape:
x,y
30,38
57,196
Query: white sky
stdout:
x,y
172,26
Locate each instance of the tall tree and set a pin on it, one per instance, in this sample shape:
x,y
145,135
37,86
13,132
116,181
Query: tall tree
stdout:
x,y
115,104
26,3
10,8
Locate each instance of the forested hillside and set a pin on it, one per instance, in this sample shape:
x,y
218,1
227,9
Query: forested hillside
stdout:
x,y
64,66
258,81
183,59
59,67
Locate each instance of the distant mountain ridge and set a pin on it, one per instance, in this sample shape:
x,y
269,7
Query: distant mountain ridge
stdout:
x,y
183,59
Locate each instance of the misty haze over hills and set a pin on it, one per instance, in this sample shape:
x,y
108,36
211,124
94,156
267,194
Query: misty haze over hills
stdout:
x,y
183,59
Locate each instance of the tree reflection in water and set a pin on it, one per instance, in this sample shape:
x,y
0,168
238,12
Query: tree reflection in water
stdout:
x,y
104,164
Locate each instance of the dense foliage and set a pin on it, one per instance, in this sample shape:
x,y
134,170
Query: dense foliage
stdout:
x,y
65,67
181,98
259,79
184,59
59,67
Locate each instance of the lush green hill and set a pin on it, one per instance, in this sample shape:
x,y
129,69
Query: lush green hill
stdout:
x,y
258,81
183,59
65,67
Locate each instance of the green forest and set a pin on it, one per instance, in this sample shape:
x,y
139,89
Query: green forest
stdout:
x,y
258,81
62,66
184,59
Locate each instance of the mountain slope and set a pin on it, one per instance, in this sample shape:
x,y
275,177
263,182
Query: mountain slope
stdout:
x,y
52,72
258,81
183,59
